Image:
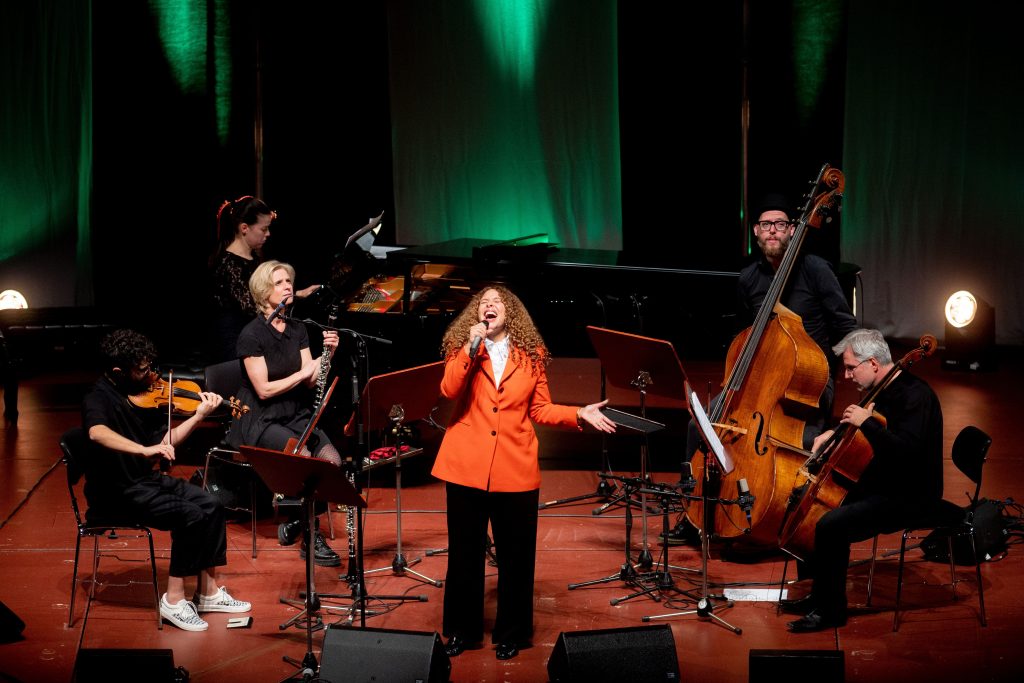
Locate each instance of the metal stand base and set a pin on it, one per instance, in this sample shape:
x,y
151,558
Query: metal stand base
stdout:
x,y
705,607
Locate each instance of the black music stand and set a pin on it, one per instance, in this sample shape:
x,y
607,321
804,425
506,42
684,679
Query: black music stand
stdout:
x,y
307,479
649,366
389,400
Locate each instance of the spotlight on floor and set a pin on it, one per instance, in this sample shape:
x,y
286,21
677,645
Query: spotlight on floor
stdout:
x,y
970,333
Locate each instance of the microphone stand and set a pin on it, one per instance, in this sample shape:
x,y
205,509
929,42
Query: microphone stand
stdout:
x,y
355,576
705,608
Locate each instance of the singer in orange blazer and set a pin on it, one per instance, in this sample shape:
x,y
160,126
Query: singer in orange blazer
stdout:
x,y
490,442
495,374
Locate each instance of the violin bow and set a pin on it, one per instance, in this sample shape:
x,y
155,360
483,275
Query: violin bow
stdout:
x,y
165,464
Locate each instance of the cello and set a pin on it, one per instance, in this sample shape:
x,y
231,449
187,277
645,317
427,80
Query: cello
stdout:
x,y
775,376
837,465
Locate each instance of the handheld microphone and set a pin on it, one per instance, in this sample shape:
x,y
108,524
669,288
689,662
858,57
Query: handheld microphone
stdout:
x,y
277,311
475,346
745,499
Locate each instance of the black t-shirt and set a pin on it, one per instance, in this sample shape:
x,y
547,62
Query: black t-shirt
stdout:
x,y
812,292
107,472
282,353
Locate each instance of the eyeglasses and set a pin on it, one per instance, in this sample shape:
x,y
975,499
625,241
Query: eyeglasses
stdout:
x,y
849,369
768,225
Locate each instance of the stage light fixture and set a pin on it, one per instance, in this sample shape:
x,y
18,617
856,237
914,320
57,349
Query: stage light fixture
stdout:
x,y
970,333
12,298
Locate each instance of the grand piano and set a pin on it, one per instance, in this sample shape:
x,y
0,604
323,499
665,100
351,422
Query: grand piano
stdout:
x,y
412,295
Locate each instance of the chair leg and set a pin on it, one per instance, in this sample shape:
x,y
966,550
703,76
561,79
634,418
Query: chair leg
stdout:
x,y
899,582
782,585
74,581
252,512
156,587
977,573
871,569
95,566
952,565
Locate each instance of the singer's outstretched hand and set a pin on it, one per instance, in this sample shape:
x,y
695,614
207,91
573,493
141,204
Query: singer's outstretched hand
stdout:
x,y
592,415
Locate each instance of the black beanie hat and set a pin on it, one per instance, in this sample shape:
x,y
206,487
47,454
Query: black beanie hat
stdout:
x,y
773,202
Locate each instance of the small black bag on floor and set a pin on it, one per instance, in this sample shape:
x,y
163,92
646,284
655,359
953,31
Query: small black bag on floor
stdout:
x,y
990,534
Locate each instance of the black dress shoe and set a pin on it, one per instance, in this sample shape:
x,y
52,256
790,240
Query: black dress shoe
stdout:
x,y
815,621
506,651
457,645
798,605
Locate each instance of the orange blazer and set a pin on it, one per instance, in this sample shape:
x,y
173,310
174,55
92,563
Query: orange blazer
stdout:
x,y
490,443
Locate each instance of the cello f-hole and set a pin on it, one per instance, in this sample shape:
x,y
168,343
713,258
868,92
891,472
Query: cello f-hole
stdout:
x,y
758,447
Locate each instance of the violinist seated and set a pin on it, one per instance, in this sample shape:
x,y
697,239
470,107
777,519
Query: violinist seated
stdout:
x,y
901,483
277,386
182,398
130,446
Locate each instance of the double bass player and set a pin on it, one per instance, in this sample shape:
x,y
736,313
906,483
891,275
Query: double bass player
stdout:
x,y
901,482
813,293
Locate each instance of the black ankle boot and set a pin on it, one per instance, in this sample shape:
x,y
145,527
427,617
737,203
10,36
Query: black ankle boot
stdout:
x,y
323,554
289,532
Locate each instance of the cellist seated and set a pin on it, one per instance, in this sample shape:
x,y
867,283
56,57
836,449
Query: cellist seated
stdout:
x,y
906,445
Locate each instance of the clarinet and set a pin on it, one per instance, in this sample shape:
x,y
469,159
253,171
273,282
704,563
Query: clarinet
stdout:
x,y
325,361
352,576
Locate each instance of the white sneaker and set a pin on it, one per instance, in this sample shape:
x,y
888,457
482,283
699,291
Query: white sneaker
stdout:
x,y
183,615
221,602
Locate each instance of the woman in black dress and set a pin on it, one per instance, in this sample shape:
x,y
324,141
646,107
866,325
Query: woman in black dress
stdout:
x,y
280,374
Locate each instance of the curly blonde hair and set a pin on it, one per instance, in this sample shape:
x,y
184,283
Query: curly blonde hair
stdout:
x,y
524,339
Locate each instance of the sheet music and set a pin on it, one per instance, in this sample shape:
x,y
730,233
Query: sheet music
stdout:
x,y
373,225
709,434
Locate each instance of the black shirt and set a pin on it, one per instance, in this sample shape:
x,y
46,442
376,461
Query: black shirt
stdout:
x,y
907,447
108,472
812,292
282,353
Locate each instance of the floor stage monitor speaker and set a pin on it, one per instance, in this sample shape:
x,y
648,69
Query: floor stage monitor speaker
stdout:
x,y
638,654
352,655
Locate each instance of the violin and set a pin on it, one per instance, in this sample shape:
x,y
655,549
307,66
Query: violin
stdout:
x,y
180,396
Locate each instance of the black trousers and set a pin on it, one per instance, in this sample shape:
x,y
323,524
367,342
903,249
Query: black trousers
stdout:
x,y
194,517
513,521
857,519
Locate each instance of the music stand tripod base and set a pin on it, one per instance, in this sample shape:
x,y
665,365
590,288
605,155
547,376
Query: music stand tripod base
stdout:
x,y
307,479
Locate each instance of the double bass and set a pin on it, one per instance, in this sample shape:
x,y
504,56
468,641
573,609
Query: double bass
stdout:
x,y
828,473
774,378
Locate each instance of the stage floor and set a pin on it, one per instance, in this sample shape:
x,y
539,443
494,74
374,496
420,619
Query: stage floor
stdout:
x,y
938,639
